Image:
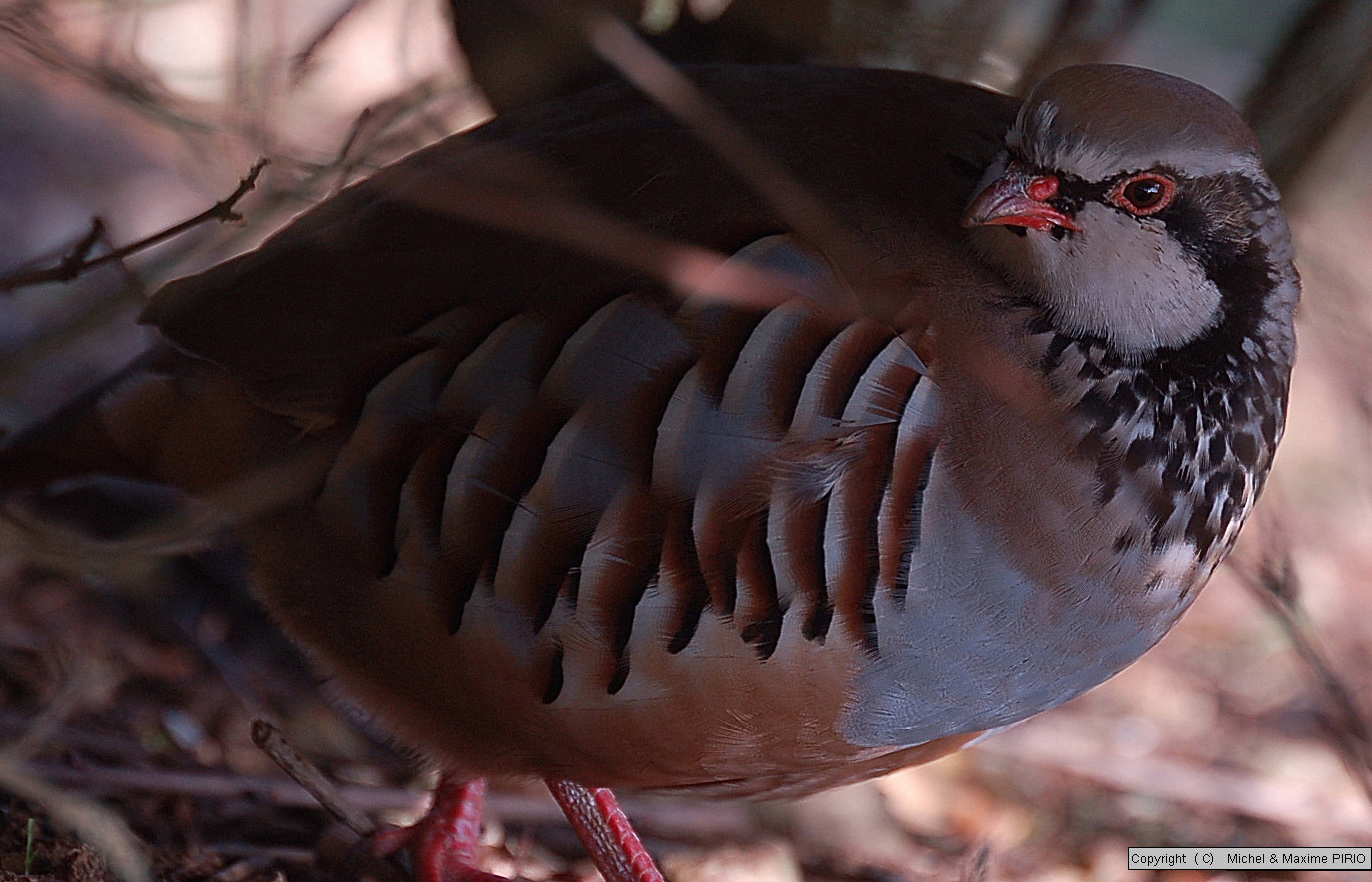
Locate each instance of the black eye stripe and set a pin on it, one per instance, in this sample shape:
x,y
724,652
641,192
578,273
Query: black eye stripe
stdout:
x,y
1074,192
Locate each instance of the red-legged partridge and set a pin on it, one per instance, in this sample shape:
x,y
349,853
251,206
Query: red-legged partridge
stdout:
x,y
563,522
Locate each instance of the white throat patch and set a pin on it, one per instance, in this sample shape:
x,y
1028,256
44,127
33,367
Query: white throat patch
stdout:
x,y
1120,278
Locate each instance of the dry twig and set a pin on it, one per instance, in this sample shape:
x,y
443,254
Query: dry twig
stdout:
x,y
1276,588
78,261
620,46
303,60
94,824
675,819
305,773
97,826
1060,745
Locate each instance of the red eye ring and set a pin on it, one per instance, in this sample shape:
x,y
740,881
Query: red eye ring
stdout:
x,y
1144,193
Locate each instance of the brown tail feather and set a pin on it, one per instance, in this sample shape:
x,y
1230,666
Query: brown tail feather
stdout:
x,y
156,461
74,443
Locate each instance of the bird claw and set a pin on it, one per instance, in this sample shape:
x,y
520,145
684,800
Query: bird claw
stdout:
x,y
443,844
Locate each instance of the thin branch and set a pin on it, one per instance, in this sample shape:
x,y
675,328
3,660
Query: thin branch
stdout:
x,y
671,818
373,123
344,163
79,691
303,60
497,188
1062,745
305,773
79,262
1077,38
93,824
648,71
23,29
1276,588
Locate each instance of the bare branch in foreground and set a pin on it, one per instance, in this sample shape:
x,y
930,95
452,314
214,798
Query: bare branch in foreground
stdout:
x,y
1276,588
305,773
1310,811
94,824
78,261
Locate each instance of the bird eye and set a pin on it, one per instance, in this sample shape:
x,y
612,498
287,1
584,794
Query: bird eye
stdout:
x,y
1144,194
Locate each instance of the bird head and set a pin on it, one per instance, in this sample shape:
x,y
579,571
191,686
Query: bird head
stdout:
x,y
1133,206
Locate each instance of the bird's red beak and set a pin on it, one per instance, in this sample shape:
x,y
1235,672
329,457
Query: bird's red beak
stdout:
x,y
1018,198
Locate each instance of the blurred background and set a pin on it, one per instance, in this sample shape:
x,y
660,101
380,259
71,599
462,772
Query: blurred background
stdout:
x,y
1246,726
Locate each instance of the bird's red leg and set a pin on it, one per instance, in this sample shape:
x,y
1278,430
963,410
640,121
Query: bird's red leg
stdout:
x,y
605,832
443,844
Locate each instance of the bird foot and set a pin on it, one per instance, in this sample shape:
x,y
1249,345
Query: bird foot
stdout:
x,y
443,844
605,832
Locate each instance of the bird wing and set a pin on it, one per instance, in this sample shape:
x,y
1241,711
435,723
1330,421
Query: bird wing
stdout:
x,y
312,319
